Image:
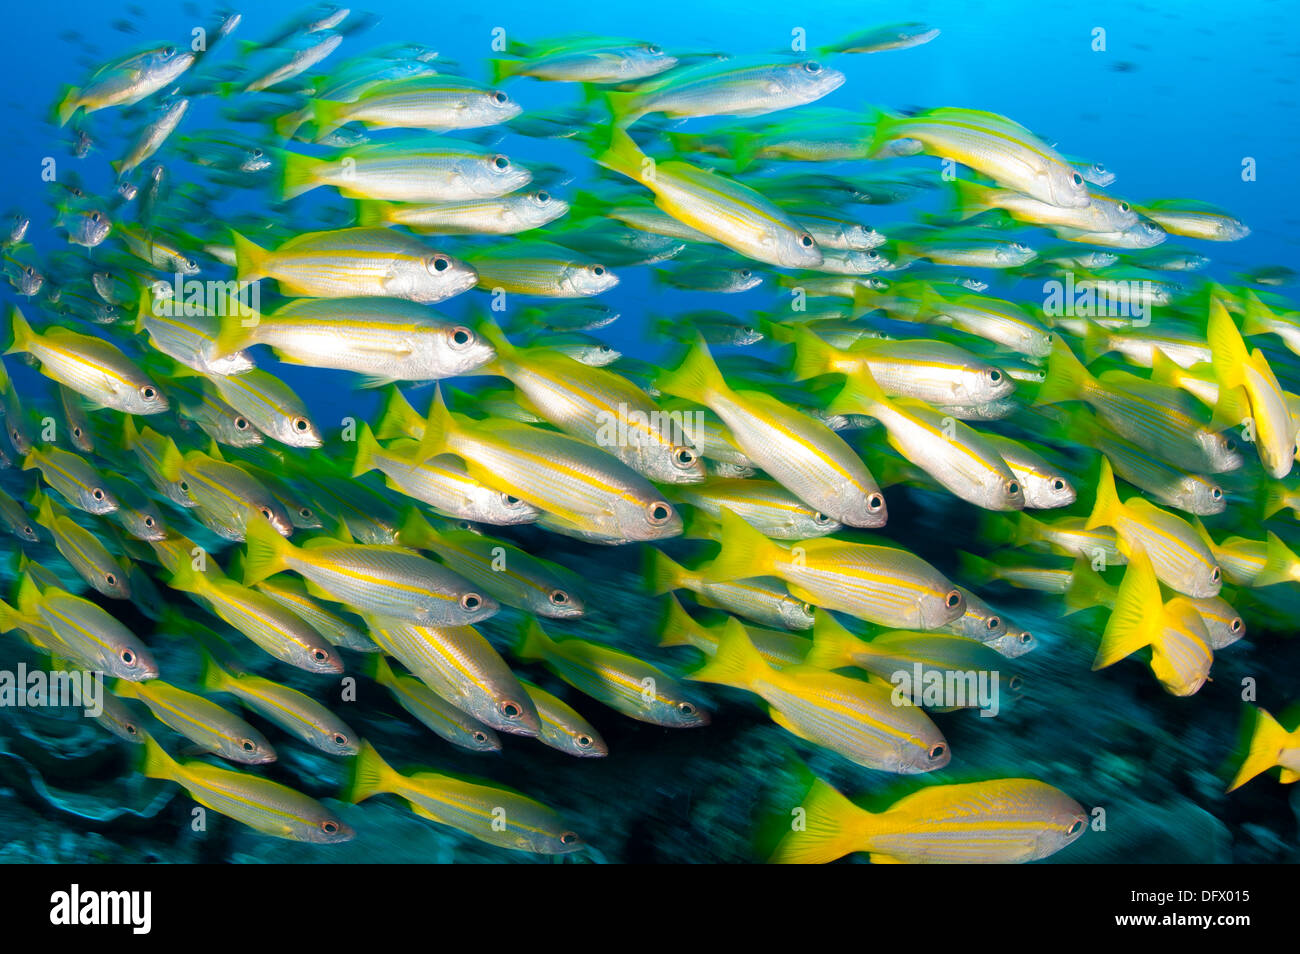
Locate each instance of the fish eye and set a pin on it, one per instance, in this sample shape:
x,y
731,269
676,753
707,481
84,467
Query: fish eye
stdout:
x,y
30,271
501,162
937,751
510,709
559,597
806,240
97,494
190,263
654,48
461,336
110,579
148,521
471,601
130,728
338,738
1229,444
185,486
500,98
510,501
241,424
1026,638
1215,493
1123,206
128,657
1077,179
1214,575
29,532
76,432
329,827
248,745
952,600
995,375
301,424
265,512
598,270
439,263
319,655
1015,683
304,512
875,502
1076,826
569,838
543,197
582,741
821,519
659,513
480,737
1236,624
257,154
685,708
1058,484
94,216
684,456
812,66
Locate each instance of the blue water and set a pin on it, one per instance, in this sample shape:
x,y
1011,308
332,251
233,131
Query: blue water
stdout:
x,y
1181,96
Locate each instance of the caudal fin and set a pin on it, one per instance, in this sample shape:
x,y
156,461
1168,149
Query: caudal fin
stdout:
x,y
1067,379
250,259
1135,620
696,379
745,552
1107,507
267,552
1267,740
832,827
736,663
371,775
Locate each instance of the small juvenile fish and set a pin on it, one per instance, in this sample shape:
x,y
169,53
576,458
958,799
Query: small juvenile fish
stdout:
x,y
894,36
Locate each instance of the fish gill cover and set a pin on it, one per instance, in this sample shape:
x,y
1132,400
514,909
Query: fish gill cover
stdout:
x,y
626,438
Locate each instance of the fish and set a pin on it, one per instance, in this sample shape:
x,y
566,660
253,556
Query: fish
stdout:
x,y
383,580
201,721
624,683
1270,745
90,366
883,585
1001,821
722,209
858,720
125,81
345,263
441,717
490,814
800,453
295,712
265,806
1180,652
